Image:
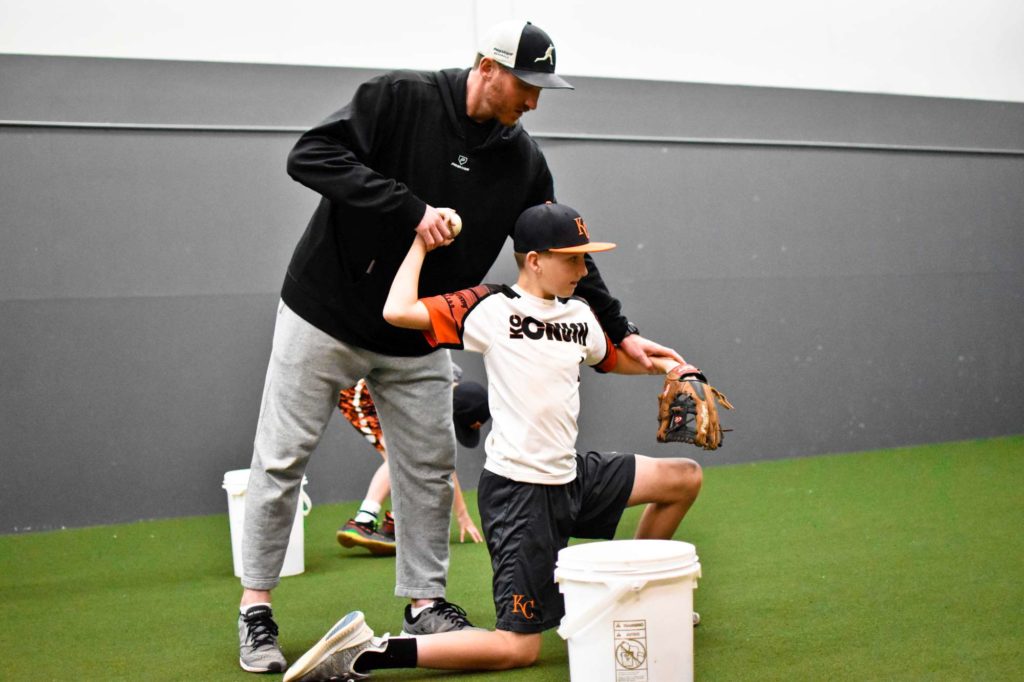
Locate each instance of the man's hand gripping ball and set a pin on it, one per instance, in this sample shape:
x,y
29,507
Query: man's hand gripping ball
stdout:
x,y
453,219
687,412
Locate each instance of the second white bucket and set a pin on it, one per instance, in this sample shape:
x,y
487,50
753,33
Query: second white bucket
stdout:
x,y
236,483
629,610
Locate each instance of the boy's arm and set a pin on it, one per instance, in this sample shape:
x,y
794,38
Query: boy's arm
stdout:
x,y
403,307
626,364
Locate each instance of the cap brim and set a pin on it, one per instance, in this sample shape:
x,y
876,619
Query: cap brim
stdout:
x,y
467,437
541,80
589,247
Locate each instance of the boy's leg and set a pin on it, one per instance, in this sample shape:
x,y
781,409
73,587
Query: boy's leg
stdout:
x,y
371,528
477,650
349,649
380,484
669,487
370,509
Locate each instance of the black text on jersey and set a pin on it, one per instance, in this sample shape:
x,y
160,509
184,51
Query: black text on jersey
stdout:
x,y
532,328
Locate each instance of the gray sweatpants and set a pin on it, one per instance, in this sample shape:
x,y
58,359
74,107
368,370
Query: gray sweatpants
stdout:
x,y
413,397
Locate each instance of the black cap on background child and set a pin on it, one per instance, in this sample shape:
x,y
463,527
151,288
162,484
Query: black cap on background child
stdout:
x,y
471,411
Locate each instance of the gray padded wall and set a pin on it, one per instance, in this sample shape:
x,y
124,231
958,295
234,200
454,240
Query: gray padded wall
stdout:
x,y
846,295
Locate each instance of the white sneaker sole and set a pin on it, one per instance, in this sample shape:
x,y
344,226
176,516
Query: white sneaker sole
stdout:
x,y
342,635
251,669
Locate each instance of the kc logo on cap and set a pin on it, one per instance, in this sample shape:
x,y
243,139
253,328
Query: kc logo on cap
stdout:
x,y
582,227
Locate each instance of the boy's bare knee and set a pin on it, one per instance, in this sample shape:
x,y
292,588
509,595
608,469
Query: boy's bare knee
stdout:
x,y
521,650
693,471
689,476
526,656
665,481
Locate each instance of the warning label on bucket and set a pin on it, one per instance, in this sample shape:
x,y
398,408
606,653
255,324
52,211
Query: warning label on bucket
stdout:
x,y
630,642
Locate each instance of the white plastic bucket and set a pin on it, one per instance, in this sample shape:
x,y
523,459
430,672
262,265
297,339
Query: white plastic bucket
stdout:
x,y
236,483
629,610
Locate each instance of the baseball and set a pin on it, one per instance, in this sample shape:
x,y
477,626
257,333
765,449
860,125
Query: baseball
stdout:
x,y
453,220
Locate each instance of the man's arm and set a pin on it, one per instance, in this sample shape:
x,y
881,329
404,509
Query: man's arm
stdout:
x,y
609,313
332,158
403,307
605,306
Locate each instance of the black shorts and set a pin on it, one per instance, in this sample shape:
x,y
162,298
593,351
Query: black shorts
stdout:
x,y
526,524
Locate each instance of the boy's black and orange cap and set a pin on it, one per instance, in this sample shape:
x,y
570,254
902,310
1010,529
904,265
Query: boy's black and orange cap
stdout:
x,y
554,227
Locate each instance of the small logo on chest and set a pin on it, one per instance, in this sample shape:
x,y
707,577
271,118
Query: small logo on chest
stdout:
x,y
461,162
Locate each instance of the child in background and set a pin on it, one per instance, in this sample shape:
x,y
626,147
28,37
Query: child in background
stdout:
x,y
366,530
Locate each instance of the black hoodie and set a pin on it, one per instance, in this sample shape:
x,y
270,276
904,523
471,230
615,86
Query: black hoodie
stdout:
x,y
405,141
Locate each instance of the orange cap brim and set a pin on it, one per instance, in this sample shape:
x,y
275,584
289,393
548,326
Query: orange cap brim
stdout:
x,y
589,247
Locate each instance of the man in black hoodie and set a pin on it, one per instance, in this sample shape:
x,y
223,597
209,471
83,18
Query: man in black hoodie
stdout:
x,y
406,143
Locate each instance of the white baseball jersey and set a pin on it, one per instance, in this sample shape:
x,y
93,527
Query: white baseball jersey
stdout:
x,y
532,348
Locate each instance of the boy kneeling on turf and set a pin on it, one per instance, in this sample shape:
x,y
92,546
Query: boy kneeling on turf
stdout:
x,y
535,491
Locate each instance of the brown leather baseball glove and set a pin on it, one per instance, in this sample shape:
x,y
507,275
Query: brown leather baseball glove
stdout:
x,y
687,411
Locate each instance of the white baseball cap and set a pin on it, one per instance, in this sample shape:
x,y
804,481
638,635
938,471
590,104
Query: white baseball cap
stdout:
x,y
526,51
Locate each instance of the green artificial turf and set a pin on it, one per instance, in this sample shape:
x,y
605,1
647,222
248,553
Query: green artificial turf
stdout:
x,y
903,564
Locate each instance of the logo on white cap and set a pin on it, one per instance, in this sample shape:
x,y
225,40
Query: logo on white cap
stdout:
x,y
525,50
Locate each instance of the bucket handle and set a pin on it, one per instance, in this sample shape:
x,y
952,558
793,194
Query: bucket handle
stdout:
x,y
577,623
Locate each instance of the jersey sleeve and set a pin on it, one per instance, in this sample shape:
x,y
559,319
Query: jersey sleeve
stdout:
x,y
448,314
611,356
602,354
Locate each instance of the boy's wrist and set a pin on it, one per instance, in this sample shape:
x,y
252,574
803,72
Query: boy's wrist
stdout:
x,y
665,365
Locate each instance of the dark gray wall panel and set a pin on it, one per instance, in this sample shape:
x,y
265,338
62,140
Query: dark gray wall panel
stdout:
x,y
96,90
135,213
844,299
129,408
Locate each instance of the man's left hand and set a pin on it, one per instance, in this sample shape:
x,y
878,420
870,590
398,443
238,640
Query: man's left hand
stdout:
x,y
642,350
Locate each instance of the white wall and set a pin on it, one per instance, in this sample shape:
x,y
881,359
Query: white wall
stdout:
x,y
947,48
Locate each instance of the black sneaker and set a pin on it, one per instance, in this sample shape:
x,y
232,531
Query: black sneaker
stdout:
x,y
366,535
443,616
258,651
